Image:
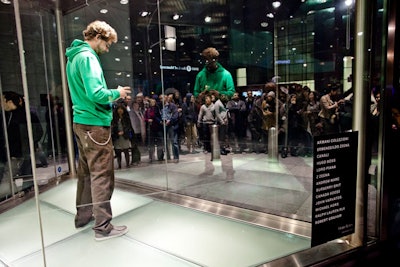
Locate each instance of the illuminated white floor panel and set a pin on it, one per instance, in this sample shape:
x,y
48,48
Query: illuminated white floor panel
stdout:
x,y
160,234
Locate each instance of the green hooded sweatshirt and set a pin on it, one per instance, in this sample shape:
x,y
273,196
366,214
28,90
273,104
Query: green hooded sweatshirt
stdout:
x,y
221,80
91,99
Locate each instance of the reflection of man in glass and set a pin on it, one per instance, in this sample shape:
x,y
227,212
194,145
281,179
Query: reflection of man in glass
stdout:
x,y
213,76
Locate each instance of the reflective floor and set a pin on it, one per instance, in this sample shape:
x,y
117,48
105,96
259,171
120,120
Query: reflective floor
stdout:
x,y
279,186
160,234
236,210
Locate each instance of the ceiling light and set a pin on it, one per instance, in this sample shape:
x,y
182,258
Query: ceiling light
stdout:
x,y
175,17
124,2
270,15
348,2
103,11
207,19
264,24
276,4
144,13
7,2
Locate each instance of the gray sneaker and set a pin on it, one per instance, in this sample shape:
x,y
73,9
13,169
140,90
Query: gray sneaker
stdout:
x,y
115,232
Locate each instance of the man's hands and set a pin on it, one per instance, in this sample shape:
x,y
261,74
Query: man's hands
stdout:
x,y
341,101
123,91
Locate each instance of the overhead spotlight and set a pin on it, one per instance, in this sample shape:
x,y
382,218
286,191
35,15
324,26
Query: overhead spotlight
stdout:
x,y
103,11
207,19
144,13
348,2
7,2
175,17
276,4
270,15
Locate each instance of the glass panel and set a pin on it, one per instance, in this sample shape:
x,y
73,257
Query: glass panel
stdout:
x,y
43,98
10,78
258,158
43,80
305,60
376,116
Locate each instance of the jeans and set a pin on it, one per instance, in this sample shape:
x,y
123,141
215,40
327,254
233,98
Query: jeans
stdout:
x,y
172,142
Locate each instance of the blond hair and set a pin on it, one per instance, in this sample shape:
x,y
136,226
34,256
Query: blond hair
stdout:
x,y
96,27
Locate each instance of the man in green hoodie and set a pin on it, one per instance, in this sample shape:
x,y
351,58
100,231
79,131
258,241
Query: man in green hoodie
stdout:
x,y
92,115
213,76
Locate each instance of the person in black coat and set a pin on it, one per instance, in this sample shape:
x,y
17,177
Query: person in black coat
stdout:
x,y
17,132
121,133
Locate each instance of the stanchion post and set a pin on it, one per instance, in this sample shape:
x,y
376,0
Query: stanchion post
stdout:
x,y
215,148
272,145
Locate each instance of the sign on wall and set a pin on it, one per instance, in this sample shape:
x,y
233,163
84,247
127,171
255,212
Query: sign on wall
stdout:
x,y
334,186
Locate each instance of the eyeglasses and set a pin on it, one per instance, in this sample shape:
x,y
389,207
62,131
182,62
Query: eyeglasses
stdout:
x,y
105,39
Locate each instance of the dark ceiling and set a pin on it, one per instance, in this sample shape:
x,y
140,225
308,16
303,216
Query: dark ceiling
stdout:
x,y
249,13
137,33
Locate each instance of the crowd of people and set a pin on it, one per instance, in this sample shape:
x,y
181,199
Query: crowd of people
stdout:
x,y
244,121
